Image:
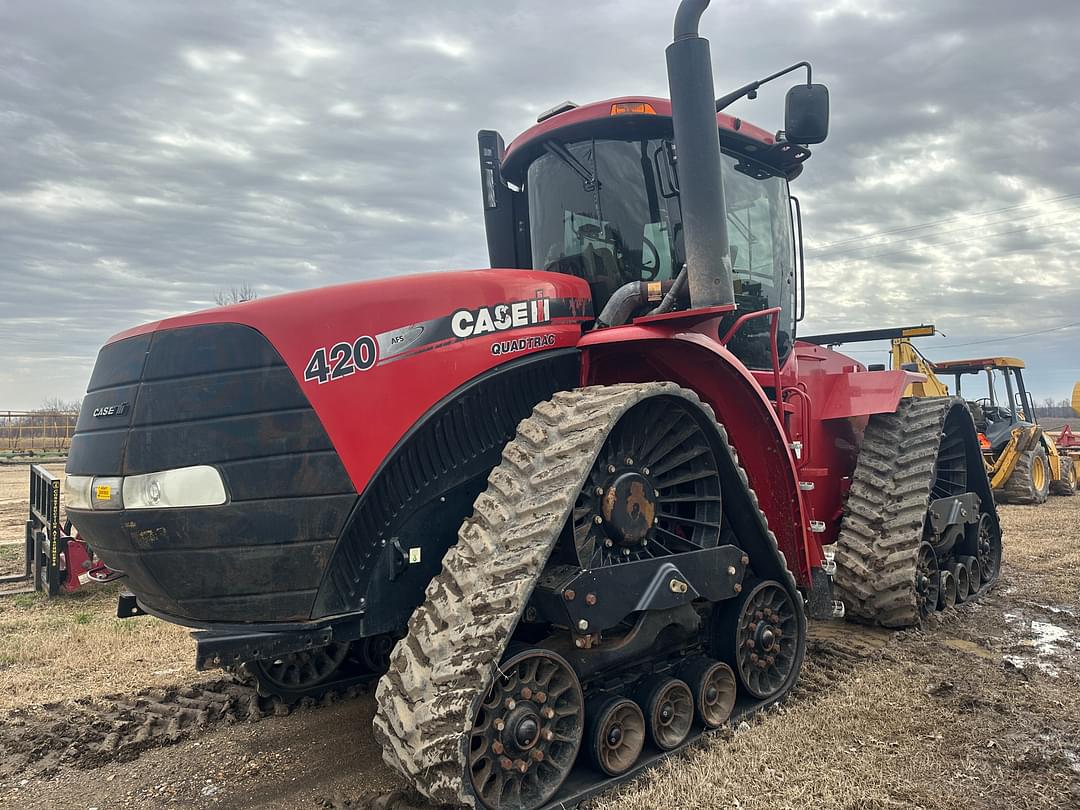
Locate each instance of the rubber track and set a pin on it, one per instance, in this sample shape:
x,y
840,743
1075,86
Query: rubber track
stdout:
x,y
882,528
445,664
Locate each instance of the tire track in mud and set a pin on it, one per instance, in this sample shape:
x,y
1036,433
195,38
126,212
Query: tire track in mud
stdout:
x,y
37,740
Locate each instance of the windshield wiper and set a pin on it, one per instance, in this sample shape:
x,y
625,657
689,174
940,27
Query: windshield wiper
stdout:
x,y
579,168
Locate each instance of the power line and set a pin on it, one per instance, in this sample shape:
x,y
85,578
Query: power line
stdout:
x,y
1014,337
933,222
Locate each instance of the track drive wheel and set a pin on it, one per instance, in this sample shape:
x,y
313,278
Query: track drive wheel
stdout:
x,y
527,732
615,734
761,638
1067,484
298,674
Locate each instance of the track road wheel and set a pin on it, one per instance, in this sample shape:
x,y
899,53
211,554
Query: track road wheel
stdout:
x,y
615,734
762,638
527,731
668,706
1030,480
963,583
1067,484
714,689
297,674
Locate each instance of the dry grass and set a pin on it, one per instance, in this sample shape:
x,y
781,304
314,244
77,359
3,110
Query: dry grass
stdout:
x,y
73,646
1044,542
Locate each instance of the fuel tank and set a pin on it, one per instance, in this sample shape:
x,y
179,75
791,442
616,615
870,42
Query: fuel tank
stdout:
x,y
312,455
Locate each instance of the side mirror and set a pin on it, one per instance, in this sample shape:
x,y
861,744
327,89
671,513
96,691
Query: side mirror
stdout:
x,y
806,114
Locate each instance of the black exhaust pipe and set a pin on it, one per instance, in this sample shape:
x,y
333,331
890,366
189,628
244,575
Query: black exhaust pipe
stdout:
x,y
697,144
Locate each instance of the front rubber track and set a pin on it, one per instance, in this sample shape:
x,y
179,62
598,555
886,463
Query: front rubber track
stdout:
x,y
445,664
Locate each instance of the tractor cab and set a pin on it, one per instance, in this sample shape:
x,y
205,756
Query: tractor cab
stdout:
x,y
1007,403
593,191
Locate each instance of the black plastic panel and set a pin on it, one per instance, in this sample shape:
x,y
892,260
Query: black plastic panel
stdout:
x,y
97,453
120,363
227,393
182,444
320,473
107,409
212,348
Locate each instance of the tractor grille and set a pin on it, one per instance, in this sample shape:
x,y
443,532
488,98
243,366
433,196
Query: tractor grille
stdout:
x,y
216,394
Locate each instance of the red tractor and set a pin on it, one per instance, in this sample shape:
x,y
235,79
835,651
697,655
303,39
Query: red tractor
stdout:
x,y
578,507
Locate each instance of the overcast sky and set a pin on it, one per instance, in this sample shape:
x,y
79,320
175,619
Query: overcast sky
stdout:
x,y
153,153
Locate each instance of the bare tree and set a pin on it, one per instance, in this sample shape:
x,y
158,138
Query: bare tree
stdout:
x,y
235,295
56,404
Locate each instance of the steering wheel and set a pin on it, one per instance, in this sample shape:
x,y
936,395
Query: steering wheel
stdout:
x,y
650,273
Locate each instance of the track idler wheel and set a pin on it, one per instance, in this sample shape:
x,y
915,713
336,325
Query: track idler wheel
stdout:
x,y
762,639
946,590
988,552
668,706
927,581
963,584
713,686
527,732
375,652
614,734
293,675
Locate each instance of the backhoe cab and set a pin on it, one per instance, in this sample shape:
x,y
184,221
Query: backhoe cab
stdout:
x,y
1024,464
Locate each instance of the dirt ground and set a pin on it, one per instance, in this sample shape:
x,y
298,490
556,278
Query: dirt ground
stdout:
x,y
981,709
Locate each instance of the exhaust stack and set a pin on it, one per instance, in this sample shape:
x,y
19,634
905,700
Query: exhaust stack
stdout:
x,y
697,143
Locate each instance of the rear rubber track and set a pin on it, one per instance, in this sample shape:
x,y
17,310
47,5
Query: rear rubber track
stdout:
x,y
445,664
882,528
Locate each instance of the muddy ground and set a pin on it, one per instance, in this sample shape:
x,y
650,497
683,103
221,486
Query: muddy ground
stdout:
x,y
981,710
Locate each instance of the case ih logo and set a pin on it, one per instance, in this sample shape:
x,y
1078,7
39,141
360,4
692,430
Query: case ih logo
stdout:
x,y
514,315
111,410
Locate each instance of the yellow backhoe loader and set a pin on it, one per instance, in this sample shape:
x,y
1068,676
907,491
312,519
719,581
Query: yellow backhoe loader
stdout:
x,y
1024,464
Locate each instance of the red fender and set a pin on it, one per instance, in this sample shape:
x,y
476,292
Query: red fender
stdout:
x,y
639,353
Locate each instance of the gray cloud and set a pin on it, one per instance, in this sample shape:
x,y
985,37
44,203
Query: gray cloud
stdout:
x,y
156,153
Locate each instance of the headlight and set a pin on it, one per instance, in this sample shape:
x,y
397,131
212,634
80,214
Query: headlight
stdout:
x,y
186,486
77,491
